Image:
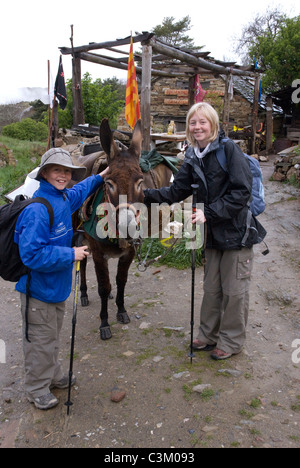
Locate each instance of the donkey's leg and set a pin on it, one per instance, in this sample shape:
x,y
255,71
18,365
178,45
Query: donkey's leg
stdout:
x,y
122,276
104,289
83,286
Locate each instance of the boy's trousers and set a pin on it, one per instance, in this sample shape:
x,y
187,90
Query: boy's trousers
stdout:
x,y
225,306
41,354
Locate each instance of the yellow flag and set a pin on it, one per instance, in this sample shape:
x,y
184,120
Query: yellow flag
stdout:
x,y
132,107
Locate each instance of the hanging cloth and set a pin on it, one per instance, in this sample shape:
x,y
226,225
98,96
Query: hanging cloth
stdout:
x,y
199,91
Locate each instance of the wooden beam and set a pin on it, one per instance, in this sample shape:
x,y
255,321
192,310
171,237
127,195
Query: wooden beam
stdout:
x,y
105,45
226,106
109,62
78,112
196,61
94,58
192,91
146,95
269,124
255,113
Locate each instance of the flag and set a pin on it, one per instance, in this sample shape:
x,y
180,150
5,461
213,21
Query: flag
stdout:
x,y
132,106
199,91
60,88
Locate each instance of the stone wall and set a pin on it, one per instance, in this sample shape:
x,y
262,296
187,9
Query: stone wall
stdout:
x,y
170,101
168,104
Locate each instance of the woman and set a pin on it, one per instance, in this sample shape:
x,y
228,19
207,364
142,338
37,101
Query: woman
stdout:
x,y
226,197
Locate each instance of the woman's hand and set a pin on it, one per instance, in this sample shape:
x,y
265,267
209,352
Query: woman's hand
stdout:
x,y
198,217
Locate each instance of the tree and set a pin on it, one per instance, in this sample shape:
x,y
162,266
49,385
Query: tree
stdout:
x,y
274,41
173,33
40,109
100,100
261,26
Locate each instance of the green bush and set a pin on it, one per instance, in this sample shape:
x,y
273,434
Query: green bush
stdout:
x,y
28,156
27,129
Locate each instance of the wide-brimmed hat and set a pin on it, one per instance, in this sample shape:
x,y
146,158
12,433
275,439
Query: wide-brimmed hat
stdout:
x,y
59,157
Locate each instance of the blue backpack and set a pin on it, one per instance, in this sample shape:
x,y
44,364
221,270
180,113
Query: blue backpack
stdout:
x,y
257,205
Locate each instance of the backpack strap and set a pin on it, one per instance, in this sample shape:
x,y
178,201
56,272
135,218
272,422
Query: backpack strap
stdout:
x,y
48,205
221,155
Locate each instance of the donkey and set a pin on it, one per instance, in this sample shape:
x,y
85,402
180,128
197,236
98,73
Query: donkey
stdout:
x,y
125,178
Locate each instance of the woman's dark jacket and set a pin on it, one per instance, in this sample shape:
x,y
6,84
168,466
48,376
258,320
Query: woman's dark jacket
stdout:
x,y
226,196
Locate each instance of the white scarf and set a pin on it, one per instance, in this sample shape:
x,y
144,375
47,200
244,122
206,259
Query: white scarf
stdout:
x,y
201,154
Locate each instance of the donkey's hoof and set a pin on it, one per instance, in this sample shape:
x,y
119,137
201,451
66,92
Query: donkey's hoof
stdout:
x,y
123,317
85,301
105,333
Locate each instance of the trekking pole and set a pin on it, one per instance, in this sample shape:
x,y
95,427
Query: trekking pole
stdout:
x,y
78,242
195,188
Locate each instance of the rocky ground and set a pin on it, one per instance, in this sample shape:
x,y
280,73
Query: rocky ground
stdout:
x,y
251,400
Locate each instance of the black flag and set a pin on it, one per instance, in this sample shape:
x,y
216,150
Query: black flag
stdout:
x,y
60,87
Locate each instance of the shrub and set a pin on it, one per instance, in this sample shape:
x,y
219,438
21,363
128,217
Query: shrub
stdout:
x,y
27,129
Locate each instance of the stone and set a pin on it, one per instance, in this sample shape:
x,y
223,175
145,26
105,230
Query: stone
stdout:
x,y
201,388
232,372
209,429
117,395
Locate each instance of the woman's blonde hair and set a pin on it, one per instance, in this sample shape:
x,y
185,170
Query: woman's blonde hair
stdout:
x,y
210,114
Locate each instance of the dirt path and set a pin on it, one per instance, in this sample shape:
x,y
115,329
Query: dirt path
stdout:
x,y
251,400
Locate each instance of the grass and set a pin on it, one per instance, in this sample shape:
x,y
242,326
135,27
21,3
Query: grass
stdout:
x,y
27,154
296,406
179,257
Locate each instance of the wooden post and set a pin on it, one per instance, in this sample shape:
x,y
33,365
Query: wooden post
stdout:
x,y
192,91
269,123
255,113
78,112
225,117
146,95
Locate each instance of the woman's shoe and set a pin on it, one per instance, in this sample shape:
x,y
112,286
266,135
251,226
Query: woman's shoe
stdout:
x,y
219,355
200,346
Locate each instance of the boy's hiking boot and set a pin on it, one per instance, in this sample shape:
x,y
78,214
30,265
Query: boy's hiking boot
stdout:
x,y
44,402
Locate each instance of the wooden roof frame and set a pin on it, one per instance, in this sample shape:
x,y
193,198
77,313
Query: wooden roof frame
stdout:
x,y
194,62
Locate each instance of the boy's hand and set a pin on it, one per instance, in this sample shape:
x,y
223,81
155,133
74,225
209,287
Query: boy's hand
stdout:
x,y
81,253
104,173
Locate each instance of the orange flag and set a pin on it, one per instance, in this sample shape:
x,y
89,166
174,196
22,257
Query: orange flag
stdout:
x,y
132,107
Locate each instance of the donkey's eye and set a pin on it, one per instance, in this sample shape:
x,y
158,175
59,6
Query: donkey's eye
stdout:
x,y
110,185
140,185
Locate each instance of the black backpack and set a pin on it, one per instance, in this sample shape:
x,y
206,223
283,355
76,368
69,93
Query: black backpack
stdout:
x,y
11,266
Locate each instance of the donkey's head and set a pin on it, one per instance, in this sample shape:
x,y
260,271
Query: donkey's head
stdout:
x,y
124,182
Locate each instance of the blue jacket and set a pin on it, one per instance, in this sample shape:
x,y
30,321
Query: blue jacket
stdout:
x,y
48,254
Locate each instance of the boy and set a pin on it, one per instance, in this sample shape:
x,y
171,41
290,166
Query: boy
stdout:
x,y
49,256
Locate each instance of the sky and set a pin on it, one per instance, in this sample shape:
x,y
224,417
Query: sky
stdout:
x,y
32,31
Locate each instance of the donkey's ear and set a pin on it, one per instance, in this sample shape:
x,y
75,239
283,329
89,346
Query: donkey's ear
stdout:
x,y
137,139
107,140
